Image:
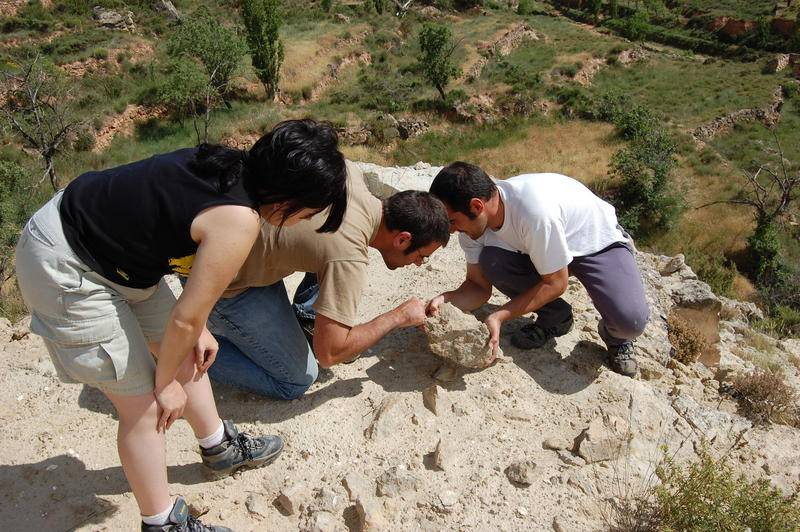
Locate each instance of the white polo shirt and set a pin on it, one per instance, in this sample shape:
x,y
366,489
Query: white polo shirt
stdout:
x,y
550,217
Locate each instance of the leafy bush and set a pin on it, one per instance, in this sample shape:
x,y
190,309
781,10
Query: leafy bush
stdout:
x,y
688,342
790,90
17,203
783,321
635,27
764,396
713,270
84,140
709,495
645,199
218,48
182,88
525,7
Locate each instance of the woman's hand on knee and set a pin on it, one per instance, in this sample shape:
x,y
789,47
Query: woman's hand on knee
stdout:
x,y
205,351
171,402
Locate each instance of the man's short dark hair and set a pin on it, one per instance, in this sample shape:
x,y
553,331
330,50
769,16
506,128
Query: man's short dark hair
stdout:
x,y
457,183
420,214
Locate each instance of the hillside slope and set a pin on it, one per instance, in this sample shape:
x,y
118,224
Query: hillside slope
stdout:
x,y
585,437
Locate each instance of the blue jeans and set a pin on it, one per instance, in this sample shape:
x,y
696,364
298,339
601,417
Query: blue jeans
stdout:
x,y
261,346
305,296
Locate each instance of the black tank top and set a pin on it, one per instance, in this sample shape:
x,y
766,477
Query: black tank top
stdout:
x,y
131,224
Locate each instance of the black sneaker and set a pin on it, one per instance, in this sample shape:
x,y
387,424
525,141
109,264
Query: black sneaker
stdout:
x,y
534,336
239,449
621,359
181,521
307,326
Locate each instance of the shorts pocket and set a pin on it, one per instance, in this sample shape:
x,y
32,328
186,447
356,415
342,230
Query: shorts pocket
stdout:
x,y
87,363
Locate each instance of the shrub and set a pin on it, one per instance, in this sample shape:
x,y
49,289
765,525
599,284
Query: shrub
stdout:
x,y
764,396
525,7
709,495
688,342
17,203
783,321
84,140
636,26
182,89
645,199
714,270
326,5
790,90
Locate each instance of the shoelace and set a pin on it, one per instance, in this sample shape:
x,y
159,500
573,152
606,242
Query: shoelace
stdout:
x,y
246,445
195,525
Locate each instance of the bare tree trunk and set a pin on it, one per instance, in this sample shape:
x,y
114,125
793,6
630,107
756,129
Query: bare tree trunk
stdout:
x,y
441,91
51,172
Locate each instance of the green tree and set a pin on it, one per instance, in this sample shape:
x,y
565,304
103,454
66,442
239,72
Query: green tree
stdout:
x,y
613,8
262,19
436,61
218,48
379,6
594,7
182,88
326,5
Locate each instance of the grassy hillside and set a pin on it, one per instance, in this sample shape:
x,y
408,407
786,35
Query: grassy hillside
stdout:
x,y
352,65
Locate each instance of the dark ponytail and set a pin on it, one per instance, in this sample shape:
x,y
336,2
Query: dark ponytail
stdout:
x,y
297,163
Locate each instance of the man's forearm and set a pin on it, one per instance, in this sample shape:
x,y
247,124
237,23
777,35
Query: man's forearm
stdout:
x,y
361,337
468,296
531,300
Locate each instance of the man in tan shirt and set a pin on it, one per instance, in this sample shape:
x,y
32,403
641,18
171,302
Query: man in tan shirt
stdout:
x,y
261,345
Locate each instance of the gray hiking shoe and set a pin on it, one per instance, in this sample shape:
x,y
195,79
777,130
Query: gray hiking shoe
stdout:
x,y
622,359
534,336
181,521
239,449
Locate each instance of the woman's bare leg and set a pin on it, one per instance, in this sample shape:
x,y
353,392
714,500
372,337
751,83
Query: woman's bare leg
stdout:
x,y
201,408
142,451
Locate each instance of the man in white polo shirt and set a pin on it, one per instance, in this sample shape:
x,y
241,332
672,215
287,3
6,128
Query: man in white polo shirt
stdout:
x,y
526,235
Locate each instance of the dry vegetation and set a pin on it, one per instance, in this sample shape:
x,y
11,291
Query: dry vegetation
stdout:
x,y
687,341
764,396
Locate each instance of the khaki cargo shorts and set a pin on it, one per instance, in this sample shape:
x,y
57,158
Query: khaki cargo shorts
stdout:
x,y
96,331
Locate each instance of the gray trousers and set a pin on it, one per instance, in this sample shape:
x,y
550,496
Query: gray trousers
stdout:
x,y
610,276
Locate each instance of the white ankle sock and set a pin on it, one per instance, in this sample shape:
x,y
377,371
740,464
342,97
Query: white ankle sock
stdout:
x,y
158,519
214,439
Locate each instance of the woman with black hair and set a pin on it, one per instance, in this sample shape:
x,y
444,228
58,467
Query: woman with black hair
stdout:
x,y
90,265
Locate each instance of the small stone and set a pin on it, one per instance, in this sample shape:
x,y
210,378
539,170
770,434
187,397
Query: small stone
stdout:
x,y
396,481
444,456
515,414
329,500
580,481
522,511
256,505
292,498
446,373
598,443
430,396
555,443
343,18
370,516
388,419
558,525
523,472
356,486
323,521
673,265
570,459
445,501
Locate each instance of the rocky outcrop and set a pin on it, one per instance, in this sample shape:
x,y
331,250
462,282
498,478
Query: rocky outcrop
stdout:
x,y
768,115
114,20
503,46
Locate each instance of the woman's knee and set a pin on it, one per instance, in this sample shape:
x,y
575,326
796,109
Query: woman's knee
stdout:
x,y
288,391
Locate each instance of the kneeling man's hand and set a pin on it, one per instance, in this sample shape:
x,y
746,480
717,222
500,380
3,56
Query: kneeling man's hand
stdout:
x,y
434,304
493,323
412,312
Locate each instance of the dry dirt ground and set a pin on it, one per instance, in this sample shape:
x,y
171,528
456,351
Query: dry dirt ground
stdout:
x,y
557,418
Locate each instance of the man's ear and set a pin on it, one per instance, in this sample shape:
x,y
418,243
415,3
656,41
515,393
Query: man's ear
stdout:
x,y
477,206
401,240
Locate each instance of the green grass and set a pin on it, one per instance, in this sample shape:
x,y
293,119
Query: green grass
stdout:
x,y
748,9
688,92
456,144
